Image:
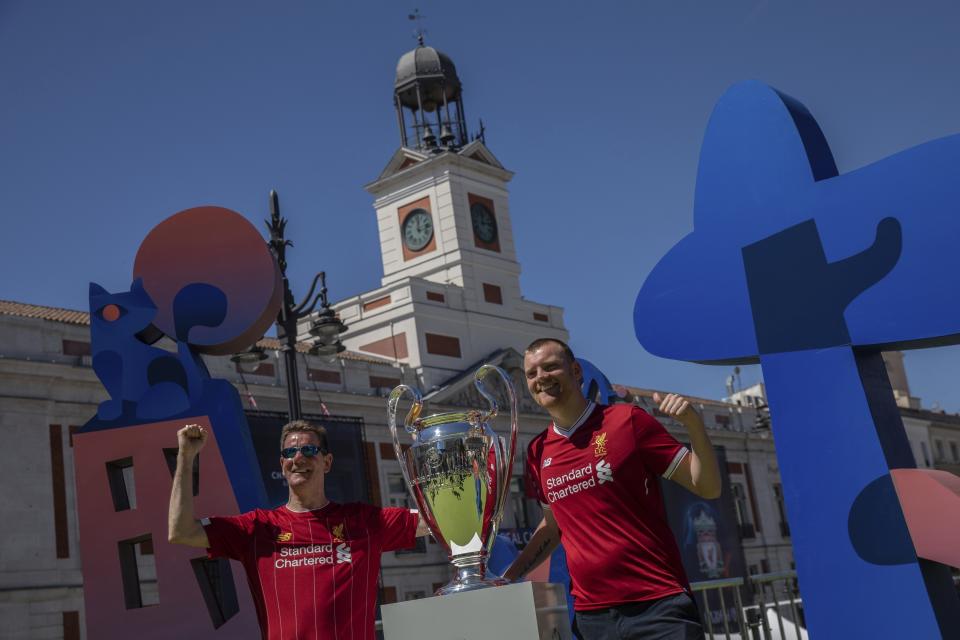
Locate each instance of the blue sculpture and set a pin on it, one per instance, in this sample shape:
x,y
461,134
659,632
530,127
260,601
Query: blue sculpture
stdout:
x,y
813,274
595,385
205,279
146,383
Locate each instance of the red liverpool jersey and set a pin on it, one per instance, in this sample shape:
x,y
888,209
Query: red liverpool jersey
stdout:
x,y
600,480
313,575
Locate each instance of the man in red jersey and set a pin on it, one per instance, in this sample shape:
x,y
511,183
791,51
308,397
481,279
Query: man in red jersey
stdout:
x,y
596,470
312,565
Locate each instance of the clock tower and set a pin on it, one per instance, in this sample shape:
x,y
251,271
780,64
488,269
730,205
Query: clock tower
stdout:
x,y
450,293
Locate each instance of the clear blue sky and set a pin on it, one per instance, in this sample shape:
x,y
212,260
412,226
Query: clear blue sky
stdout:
x,y
116,114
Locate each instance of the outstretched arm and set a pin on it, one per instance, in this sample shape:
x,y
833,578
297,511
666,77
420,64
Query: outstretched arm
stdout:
x,y
182,527
544,540
698,472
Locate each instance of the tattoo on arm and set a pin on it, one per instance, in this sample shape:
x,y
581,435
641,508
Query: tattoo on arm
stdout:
x,y
537,556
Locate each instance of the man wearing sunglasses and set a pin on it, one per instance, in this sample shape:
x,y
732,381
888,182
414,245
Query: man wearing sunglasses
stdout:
x,y
312,564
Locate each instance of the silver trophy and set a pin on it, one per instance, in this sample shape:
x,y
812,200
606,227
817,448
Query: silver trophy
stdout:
x,y
458,471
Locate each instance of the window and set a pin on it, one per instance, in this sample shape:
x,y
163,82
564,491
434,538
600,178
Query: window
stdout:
x,y
122,487
926,454
398,496
59,491
519,517
71,625
742,508
415,595
75,348
388,595
319,375
376,304
262,369
492,293
939,448
138,572
953,452
383,382
219,591
782,510
442,345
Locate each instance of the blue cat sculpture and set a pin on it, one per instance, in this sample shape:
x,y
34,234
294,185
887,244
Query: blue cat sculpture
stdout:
x,y
145,383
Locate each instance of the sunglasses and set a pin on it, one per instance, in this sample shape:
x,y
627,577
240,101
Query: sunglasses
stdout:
x,y
308,451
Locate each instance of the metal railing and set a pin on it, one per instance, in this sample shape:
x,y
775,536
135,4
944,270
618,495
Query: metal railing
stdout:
x,y
774,611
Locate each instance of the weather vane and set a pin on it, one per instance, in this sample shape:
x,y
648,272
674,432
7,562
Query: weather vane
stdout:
x,y
420,31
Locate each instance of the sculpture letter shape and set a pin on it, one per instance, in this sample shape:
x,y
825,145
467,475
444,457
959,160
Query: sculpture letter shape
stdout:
x,y
806,271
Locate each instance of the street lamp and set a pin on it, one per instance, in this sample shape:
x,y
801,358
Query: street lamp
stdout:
x,y
326,327
250,358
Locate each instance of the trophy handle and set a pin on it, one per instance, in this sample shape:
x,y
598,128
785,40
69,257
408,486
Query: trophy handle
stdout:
x,y
505,466
395,395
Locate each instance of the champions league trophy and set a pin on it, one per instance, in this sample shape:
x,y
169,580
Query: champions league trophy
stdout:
x,y
458,471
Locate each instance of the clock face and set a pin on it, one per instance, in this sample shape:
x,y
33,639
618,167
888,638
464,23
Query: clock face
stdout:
x,y
417,229
484,224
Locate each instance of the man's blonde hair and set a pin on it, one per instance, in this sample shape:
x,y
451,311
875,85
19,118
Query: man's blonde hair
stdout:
x,y
302,426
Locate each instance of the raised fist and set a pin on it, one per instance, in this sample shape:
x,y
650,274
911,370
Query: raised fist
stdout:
x,y
191,439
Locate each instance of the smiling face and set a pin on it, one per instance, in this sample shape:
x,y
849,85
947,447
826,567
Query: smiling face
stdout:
x,y
552,378
301,472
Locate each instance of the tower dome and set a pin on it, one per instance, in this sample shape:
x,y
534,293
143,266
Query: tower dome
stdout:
x,y
427,96
433,72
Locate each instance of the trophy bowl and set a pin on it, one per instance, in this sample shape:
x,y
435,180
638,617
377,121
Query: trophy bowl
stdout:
x,y
458,472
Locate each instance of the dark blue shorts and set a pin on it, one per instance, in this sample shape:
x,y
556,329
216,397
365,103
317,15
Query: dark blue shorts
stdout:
x,y
672,618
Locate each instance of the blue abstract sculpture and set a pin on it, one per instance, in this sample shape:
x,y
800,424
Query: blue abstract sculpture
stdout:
x,y
816,274
595,385
205,279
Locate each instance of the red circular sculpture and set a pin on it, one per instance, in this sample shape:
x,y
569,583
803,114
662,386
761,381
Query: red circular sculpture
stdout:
x,y
197,252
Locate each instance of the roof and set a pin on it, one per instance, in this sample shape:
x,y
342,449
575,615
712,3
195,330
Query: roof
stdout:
x,y
934,416
466,377
54,314
304,347
71,316
424,63
634,391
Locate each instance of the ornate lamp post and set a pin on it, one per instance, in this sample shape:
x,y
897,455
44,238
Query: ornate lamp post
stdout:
x,y
326,327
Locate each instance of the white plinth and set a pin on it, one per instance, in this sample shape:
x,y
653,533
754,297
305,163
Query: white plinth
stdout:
x,y
522,611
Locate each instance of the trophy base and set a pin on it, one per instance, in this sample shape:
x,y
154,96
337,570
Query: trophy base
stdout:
x,y
520,611
470,578
470,583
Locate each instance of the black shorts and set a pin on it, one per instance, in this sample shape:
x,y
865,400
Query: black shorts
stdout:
x,y
672,618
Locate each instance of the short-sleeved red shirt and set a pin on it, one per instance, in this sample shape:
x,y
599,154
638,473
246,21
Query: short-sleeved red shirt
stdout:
x,y
600,481
313,574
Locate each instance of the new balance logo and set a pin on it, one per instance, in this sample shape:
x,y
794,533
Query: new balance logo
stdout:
x,y
604,472
546,463
343,553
